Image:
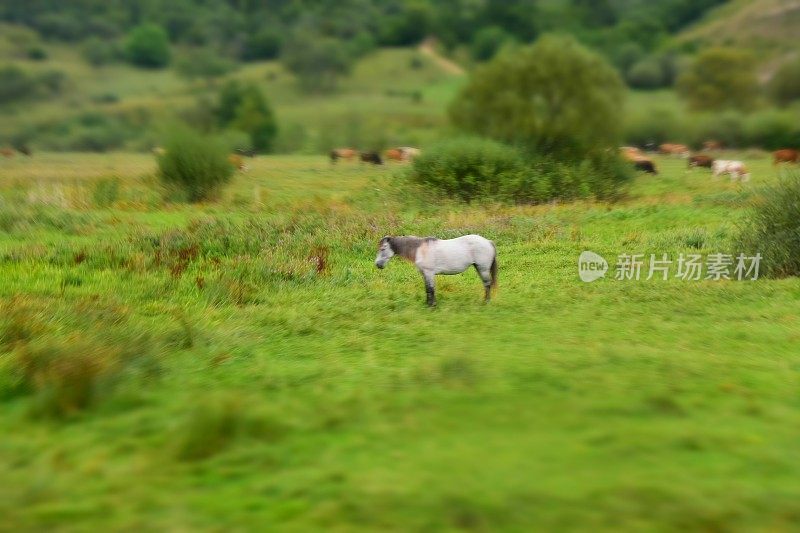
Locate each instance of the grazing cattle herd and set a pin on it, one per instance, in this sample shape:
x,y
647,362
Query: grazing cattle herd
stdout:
x,y
402,154
639,159
737,170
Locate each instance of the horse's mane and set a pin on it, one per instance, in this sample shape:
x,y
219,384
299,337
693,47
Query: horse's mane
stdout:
x,y
406,246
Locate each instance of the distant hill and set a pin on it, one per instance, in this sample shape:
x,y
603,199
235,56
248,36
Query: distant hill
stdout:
x,y
768,27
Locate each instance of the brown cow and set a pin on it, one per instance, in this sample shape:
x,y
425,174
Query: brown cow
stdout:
x,y
701,160
342,153
639,160
7,152
645,165
787,155
393,154
674,149
371,157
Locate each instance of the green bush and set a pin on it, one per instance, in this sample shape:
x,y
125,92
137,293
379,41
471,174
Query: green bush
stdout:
x,y
36,53
488,41
654,125
244,107
265,44
727,127
555,97
98,52
317,61
472,168
148,46
197,166
773,129
204,63
773,229
784,88
469,168
720,78
15,84
646,74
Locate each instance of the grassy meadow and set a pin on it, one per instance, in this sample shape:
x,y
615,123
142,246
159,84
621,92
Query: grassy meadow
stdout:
x,y
242,364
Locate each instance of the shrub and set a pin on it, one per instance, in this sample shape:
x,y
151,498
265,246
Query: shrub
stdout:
x,y
653,126
554,97
473,168
195,165
468,169
773,129
204,63
646,74
726,127
36,53
488,41
15,84
244,107
720,78
265,44
18,84
98,52
784,87
317,61
773,229
148,46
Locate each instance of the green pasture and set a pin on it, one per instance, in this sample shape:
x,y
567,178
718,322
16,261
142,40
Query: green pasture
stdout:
x,y
249,386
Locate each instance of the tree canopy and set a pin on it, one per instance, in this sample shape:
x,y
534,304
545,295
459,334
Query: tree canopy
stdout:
x,y
720,78
554,98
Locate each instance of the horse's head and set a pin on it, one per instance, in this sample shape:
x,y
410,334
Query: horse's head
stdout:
x,y
385,252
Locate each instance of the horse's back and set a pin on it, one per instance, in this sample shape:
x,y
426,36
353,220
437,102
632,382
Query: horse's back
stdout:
x,y
476,242
479,248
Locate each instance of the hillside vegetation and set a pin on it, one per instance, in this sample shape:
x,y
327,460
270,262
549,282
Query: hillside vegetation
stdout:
x,y
767,27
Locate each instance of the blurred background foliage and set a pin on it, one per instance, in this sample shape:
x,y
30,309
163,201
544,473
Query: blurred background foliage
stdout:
x,y
374,72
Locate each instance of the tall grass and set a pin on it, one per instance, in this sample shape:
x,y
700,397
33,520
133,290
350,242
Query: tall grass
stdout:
x,y
773,228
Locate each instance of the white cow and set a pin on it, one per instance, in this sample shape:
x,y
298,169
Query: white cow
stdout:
x,y
736,169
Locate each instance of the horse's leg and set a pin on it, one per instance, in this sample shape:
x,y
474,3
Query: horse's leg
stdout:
x,y
486,278
430,288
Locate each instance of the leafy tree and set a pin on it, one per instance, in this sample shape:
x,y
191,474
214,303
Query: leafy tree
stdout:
x,y
784,87
409,26
720,78
488,41
265,44
148,46
554,97
646,74
244,108
317,61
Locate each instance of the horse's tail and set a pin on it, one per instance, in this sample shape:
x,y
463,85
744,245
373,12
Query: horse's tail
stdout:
x,y
493,268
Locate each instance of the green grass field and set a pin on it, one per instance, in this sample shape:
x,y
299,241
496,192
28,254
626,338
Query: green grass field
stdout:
x,y
242,365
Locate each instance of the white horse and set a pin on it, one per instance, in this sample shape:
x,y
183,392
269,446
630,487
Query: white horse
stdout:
x,y
433,256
